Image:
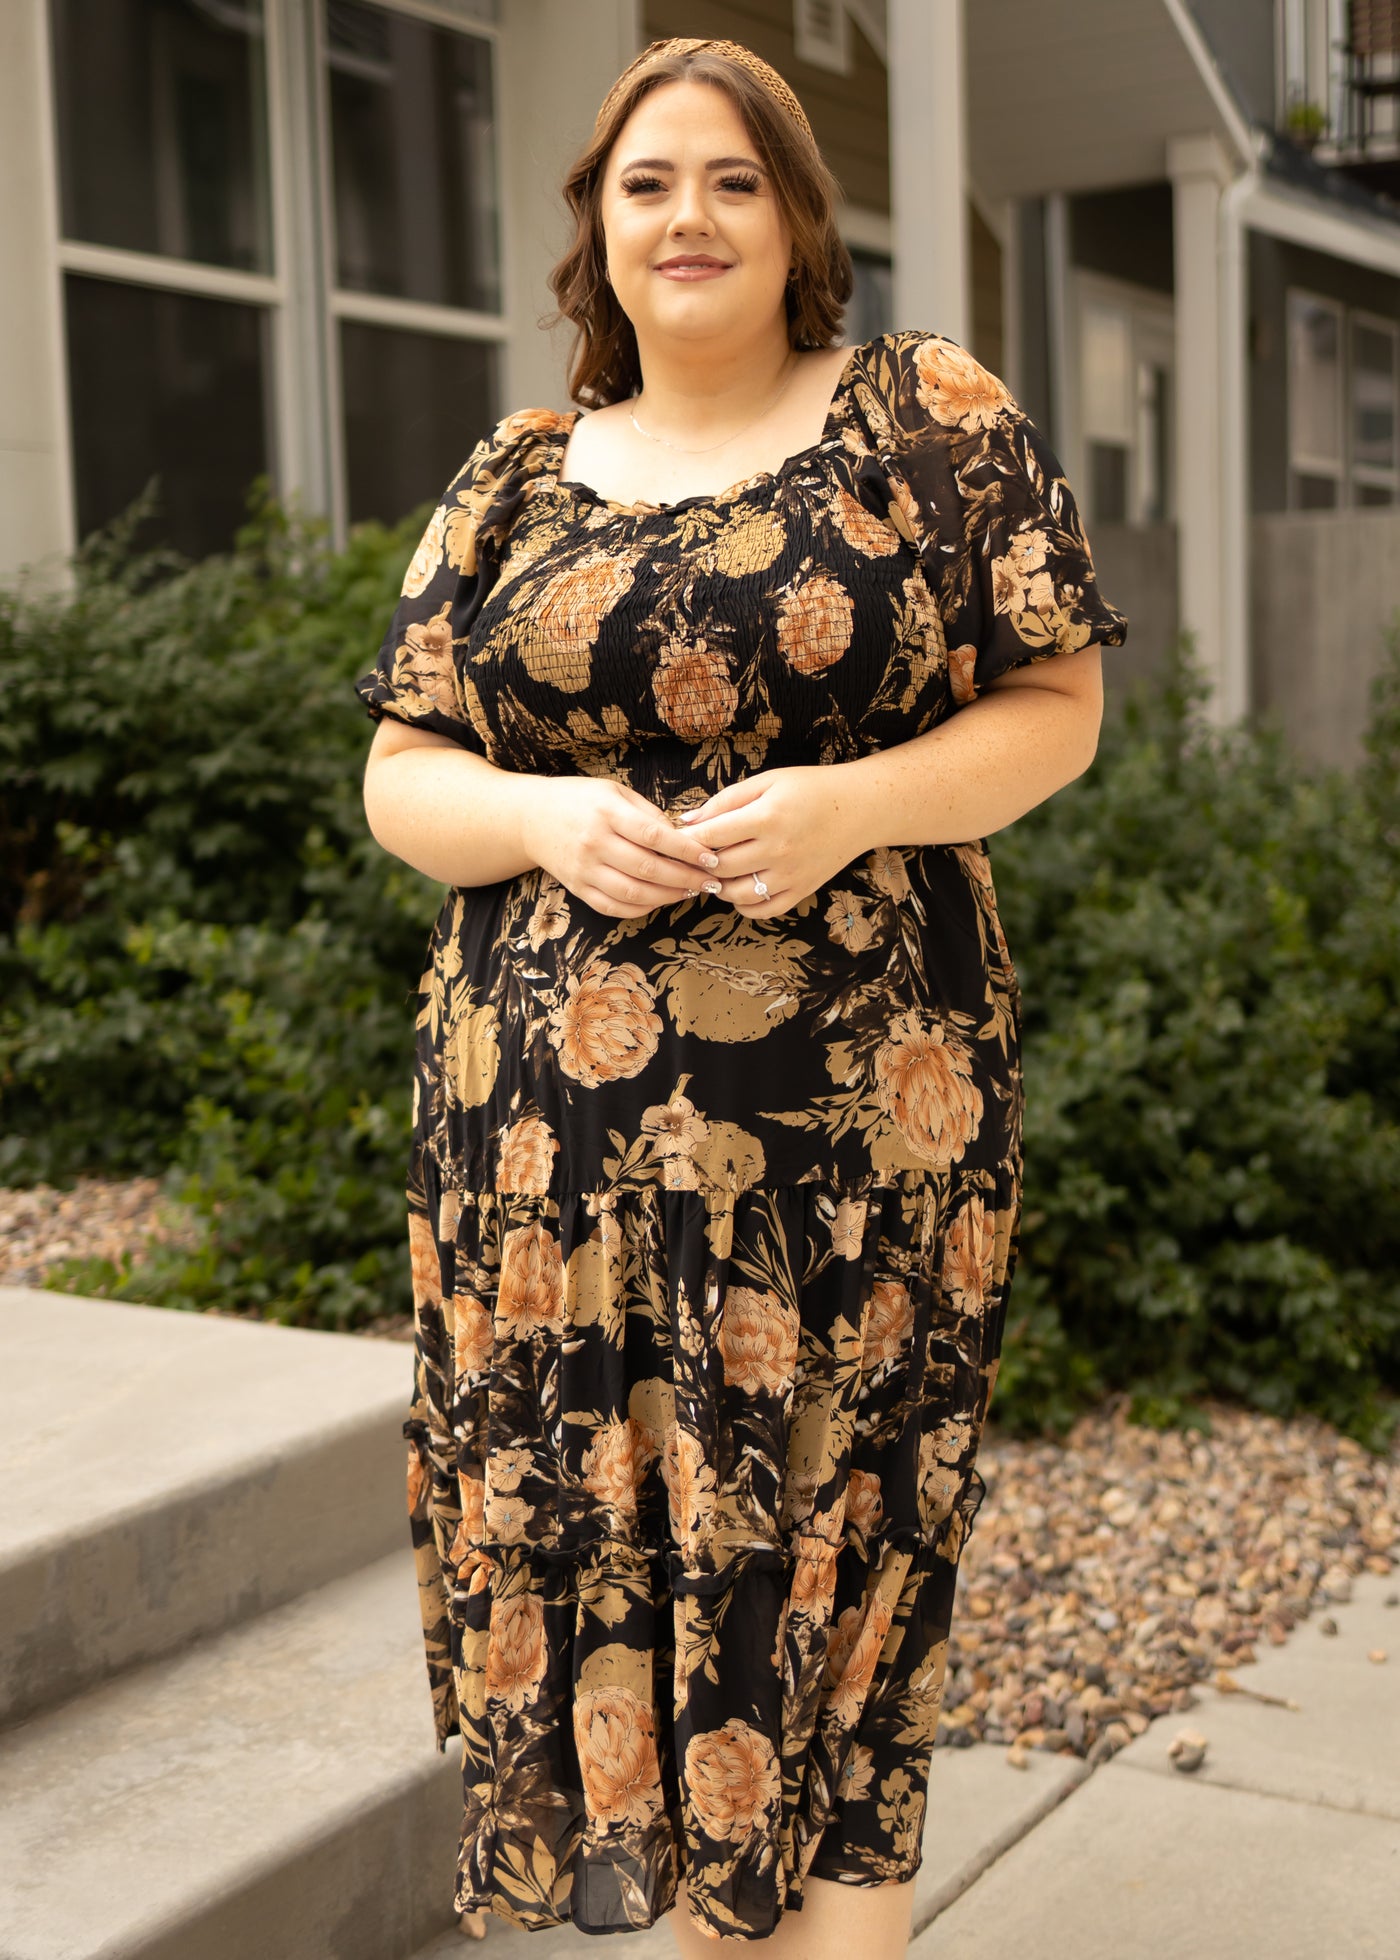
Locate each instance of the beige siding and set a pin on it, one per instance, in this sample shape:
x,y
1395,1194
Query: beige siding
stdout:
x,y
849,114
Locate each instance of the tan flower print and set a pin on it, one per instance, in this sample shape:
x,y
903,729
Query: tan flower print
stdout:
x,y
423,666
616,1743
676,1128
957,390
426,558
939,1483
471,1054
848,1228
848,922
606,1028
967,1256
690,1486
506,1466
925,1080
550,918
695,696
861,527
750,542
853,1785
951,1438
865,1506
734,1781
889,1322
815,622
888,871
556,641
473,1334
505,1517
758,1340
527,1152
516,1655
471,1529
530,1294
613,1463
813,1578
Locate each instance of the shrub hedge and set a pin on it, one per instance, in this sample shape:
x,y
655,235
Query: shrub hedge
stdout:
x,y
207,965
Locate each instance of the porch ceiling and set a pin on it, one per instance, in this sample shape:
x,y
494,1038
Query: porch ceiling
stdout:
x,y
1075,95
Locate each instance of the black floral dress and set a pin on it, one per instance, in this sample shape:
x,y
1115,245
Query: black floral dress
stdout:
x,y
713,1219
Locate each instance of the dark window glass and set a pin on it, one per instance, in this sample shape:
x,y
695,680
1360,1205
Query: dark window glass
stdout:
x,y
1373,493
165,384
1108,481
413,158
162,135
415,405
1315,492
870,309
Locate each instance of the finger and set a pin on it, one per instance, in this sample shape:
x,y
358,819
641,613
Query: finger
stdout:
x,y
635,895
660,850
732,797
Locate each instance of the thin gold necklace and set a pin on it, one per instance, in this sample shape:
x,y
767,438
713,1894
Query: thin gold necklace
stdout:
x,y
728,439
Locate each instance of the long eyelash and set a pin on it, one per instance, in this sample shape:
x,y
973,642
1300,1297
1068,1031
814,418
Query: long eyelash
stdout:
x,y
743,183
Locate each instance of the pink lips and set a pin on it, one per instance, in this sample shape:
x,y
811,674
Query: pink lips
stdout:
x,y
691,268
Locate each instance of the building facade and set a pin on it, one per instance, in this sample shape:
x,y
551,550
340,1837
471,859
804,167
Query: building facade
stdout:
x,y
311,239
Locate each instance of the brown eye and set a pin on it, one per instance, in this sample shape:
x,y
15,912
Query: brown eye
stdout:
x,y
739,183
630,184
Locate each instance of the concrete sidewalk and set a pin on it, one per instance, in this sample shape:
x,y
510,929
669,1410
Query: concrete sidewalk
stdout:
x,y
1283,1845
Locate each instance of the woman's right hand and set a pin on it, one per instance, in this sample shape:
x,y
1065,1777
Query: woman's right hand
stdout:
x,y
612,848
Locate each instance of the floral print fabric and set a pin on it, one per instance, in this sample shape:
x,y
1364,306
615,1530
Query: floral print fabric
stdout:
x,y
713,1220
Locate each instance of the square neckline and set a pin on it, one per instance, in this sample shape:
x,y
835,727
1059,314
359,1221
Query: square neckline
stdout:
x,y
572,488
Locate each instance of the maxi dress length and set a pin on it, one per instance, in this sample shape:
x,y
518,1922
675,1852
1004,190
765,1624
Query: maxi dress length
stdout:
x,y
713,1219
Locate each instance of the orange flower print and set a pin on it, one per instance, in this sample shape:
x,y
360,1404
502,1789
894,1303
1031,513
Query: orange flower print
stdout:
x,y
606,1029
616,1743
924,1080
889,1322
530,1293
695,696
419,1485
852,1654
814,625
848,923
613,1464
967,1256
864,1505
424,1262
527,1152
690,1486
423,665
955,389
473,1336
758,1341
733,1780
854,1782
861,527
515,1653
939,1483
558,635
962,674
472,1491
813,1578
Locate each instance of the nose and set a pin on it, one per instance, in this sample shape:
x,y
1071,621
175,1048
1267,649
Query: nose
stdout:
x,y
692,212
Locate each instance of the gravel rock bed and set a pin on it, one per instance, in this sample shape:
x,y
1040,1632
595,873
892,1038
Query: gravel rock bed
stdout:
x,y
1106,1576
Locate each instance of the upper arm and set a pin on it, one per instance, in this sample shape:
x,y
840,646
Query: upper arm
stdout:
x,y
391,737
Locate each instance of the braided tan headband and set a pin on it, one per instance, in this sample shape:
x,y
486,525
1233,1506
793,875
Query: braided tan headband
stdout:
x,y
733,51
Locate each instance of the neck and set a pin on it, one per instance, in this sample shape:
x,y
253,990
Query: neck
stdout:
x,y
699,389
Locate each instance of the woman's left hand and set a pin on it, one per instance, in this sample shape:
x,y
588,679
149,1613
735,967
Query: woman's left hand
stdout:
x,y
795,827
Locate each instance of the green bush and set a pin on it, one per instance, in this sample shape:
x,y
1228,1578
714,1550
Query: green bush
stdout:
x,y
207,967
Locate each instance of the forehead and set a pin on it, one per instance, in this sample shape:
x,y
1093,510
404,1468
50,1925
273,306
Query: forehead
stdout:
x,y
680,113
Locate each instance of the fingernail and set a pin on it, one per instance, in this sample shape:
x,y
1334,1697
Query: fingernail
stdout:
x,y
688,816
709,860
710,885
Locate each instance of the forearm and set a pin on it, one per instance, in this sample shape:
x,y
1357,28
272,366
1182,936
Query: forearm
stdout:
x,y
972,775
451,815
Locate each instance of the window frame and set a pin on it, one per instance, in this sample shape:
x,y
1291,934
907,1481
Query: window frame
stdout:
x,y
1371,476
1300,463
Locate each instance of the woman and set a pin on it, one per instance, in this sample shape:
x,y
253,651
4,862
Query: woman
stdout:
x,y
702,704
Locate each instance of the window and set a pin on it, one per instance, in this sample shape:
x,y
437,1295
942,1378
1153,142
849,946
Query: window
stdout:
x,y
1316,444
1125,404
822,34
1374,385
280,249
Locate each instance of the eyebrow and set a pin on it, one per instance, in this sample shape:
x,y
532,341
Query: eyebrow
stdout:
x,y
665,163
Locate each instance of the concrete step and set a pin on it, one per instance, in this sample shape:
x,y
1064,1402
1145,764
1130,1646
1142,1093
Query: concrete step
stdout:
x,y
164,1475
273,1791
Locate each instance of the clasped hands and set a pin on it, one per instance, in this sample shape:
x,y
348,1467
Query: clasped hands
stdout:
x,y
615,850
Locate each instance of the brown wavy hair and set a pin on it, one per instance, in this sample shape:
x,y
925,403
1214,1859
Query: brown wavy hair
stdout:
x,y
603,363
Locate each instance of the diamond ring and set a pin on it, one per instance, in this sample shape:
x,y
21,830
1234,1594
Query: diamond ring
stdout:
x,y
759,887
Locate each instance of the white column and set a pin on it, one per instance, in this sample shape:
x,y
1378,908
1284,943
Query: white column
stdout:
x,y
36,499
1212,524
928,167
558,61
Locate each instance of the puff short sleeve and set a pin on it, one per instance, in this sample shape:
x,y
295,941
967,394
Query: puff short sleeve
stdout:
x,y
985,501
418,676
